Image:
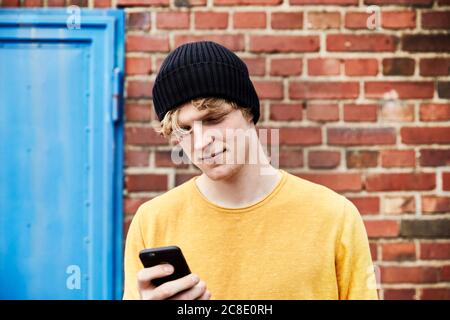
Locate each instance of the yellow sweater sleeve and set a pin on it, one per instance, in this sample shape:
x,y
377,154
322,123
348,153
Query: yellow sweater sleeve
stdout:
x,y
354,267
133,245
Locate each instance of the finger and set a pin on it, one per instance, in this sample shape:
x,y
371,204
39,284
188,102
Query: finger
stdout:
x,y
193,293
146,275
205,296
171,288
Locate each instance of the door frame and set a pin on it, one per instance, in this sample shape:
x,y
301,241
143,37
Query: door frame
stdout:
x,y
105,236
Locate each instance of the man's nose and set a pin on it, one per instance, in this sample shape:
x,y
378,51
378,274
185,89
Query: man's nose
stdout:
x,y
202,138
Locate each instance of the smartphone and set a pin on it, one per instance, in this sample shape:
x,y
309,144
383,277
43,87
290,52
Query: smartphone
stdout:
x,y
172,255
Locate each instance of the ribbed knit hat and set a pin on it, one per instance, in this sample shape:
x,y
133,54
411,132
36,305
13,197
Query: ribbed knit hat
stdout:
x,y
203,69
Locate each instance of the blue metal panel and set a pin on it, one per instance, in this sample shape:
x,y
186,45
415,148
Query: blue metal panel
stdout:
x,y
61,135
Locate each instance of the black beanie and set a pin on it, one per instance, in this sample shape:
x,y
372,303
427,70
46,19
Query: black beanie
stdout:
x,y
203,69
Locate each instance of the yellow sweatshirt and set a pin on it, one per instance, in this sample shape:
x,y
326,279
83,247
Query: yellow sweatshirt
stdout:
x,y
301,241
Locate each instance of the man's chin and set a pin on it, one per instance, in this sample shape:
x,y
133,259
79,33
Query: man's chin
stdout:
x,y
218,171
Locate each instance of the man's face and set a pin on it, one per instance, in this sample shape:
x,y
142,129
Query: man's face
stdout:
x,y
217,143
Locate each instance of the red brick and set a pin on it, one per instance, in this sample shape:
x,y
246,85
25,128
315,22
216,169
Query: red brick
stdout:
x,y
400,2
11,3
425,42
361,43
139,20
246,2
361,136
146,182
33,3
139,89
395,205
398,19
234,42
396,111
322,112
249,20
446,181
400,181
399,294
364,112
323,66
323,90
286,112
102,3
361,159
398,158
339,182
409,274
164,159
323,20
172,20
367,205
434,157
373,251
443,89
435,294
435,251
79,3
211,20
398,67
300,136
138,65
269,89
435,204
147,43
137,112
404,89
435,112
143,136
425,135
289,43
131,205
184,177
136,158
436,20
325,2
285,67
361,67
50,3
291,158
255,66
139,3
323,159
398,251
434,67
287,20
445,273
382,228
356,20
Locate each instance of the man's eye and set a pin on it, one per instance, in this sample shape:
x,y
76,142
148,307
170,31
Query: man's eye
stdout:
x,y
213,120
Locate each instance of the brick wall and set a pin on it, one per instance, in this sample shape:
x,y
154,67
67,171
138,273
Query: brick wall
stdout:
x,y
364,111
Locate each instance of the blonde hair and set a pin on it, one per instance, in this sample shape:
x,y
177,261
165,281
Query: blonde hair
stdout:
x,y
170,125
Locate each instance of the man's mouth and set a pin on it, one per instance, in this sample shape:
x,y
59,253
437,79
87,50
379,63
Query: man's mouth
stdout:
x,y
213,155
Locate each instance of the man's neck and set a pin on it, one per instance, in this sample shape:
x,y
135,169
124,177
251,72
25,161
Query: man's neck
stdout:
x,y
244,188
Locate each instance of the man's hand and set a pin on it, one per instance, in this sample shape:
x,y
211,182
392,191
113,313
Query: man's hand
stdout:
x,y
187,288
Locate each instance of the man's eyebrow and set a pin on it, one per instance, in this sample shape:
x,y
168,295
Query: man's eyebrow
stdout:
x,y
205,116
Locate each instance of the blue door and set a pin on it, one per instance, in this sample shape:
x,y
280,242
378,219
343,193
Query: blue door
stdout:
x,y
61,153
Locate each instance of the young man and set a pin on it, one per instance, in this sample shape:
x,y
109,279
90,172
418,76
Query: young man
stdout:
x,y
247,229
